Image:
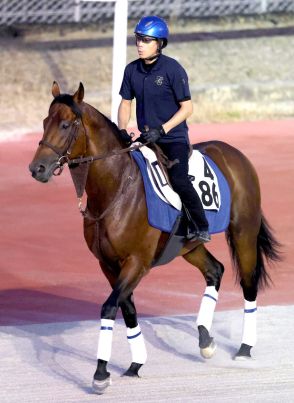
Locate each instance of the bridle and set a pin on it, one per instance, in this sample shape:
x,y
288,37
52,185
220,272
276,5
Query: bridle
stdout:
x,y
64,152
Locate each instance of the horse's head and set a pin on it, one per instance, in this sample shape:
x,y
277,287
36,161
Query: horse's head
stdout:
x,y
64,134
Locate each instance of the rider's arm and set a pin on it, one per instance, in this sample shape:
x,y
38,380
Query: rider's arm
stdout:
x,y
186,109
124,113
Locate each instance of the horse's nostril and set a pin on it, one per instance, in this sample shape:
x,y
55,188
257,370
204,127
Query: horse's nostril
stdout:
x,y
35,170
41,168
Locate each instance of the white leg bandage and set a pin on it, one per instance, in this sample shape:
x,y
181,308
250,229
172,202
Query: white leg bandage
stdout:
x,y
105,339
137,345
249,323
207,307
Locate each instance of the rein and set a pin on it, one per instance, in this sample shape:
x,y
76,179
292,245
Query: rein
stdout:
x,y
81,160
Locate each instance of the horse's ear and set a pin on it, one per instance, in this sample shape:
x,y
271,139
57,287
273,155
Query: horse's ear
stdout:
x,y
79,95
55,89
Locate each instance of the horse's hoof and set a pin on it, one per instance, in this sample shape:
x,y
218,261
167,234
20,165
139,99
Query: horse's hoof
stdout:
x,y
99,387
133,370
244,353
208,351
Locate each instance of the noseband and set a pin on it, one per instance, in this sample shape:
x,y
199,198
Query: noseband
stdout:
x,y
66,151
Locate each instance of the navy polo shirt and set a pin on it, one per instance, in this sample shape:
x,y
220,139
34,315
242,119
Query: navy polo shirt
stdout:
x,y
158,92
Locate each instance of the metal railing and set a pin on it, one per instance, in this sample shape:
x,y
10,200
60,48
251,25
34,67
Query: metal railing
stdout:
x,y
71,11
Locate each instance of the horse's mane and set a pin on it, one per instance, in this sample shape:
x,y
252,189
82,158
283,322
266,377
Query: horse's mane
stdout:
x,y
69,101
115,129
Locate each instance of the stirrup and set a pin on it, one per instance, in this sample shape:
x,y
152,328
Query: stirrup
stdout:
x,y
202,236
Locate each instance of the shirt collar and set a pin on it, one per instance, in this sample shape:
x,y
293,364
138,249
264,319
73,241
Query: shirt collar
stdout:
x,y
157,65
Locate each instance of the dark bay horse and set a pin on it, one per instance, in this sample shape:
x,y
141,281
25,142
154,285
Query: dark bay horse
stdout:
x,y
117,232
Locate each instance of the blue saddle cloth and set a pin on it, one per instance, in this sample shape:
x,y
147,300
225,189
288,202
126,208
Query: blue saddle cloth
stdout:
x,y
163,216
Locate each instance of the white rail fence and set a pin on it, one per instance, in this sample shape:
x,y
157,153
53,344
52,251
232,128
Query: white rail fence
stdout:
x,y
71,11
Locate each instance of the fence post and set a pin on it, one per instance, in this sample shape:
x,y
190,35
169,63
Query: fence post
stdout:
x,y
77,10
263,6
119,52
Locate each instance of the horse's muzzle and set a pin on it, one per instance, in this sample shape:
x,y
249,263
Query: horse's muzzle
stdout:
x,y
40,172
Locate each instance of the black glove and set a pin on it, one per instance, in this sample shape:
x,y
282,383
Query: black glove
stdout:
x,y
153,135
126,138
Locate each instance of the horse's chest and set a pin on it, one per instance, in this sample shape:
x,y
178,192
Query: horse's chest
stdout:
x,y
98,241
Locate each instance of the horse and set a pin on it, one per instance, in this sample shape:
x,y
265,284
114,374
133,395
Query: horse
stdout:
x,y
117,231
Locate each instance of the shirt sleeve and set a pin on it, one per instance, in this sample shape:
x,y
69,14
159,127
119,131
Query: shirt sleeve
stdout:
x,y
180,84
126,90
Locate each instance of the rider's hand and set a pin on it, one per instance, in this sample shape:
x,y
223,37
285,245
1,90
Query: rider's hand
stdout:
x,y
124,135
153,135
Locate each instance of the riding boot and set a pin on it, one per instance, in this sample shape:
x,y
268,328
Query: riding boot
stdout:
x,y
193,231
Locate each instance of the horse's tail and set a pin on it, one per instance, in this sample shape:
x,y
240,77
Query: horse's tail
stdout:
x,y
267,247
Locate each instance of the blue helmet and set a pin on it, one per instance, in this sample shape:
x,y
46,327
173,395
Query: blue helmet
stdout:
x,y
153,26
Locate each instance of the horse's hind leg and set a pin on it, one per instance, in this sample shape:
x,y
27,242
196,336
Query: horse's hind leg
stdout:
x,y
244,249
212,271
134,336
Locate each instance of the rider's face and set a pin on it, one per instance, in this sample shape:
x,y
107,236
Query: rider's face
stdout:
x,y
146,46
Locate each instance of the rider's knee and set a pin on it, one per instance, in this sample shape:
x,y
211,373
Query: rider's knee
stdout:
x,y
179,184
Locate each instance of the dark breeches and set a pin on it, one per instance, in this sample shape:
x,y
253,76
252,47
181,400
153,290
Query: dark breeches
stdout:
x,y
181,183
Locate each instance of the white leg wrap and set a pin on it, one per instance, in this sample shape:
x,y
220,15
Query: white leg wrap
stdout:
x,y
105,339
137,345
207,307
249,323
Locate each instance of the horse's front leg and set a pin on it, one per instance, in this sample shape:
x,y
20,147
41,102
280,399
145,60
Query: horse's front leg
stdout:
x,y
130,275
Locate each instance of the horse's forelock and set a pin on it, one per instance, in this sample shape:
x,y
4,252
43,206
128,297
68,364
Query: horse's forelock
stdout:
x,y
67,99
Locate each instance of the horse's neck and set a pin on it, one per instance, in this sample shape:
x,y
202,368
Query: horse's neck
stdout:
x,y
100,131
105,175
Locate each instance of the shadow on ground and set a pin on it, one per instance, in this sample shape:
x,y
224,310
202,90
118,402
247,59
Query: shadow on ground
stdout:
x,y
23,306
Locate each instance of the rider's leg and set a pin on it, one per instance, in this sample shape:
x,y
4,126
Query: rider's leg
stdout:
x,y
178,175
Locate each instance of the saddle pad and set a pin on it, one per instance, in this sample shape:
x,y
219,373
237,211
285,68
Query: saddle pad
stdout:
x,y
162,215
205,181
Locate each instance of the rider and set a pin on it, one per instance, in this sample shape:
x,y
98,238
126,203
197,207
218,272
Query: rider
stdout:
x,y
163,103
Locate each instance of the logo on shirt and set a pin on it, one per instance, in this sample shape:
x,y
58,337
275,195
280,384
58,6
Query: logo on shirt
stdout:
x,y
159,80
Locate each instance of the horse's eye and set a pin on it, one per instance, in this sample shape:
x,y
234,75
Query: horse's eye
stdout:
x,y
64,125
